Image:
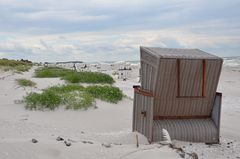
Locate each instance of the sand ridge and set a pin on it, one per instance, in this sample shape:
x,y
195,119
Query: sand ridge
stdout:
x,y
109,124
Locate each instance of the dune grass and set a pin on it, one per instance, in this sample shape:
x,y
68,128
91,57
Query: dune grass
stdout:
x,y
18,66
51,72
72,97
65,88
45,100
88,77
25,82
72,76
106,93
78,100
22,68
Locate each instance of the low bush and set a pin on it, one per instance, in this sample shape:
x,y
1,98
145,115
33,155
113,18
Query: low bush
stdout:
x,y
46,100
18,66
25,82
78,100
22,68
88,77
106,93
73,76
49,72
72,96
65,88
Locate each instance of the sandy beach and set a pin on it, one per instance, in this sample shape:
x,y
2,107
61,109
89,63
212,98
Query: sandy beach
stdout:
x,y
104,132
86,79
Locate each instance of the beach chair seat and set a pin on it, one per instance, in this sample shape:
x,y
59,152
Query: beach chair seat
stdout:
x,y
196,130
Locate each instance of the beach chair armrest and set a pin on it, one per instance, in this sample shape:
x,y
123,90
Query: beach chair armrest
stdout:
x,y
216,111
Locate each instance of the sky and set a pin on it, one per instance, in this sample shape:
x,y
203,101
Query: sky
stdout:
x,y
110,30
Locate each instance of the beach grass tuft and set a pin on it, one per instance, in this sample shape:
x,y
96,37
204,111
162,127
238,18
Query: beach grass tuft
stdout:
x,y
105,93
15,65
45,100
61,89
72,97
78,100
25,82
73,76
51,72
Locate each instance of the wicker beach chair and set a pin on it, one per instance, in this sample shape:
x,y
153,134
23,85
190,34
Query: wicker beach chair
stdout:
x,y
178,93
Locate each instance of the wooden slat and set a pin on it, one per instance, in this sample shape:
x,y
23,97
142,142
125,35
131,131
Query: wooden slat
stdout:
x,y
204,78
193,130
203,94
190,97
157,117
138,90
178,77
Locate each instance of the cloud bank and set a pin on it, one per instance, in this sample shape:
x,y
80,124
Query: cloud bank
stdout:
x,y
103,30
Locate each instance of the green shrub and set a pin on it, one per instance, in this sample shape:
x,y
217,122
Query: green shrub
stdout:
x,y
25,82
6,68
13,63
46,100
66,88
88,77
73,76
78,100
106,93
51,72
32,101
18,66
72,96
51,98
23,68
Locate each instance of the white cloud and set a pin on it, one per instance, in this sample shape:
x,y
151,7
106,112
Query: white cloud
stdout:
x,y
101,46
44,30
74,16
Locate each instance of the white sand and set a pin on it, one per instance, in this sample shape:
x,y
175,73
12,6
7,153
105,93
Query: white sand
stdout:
x,y
109,124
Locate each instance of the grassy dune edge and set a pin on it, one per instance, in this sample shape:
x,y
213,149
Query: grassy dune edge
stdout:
x,y
72,97
25,82
72,76
18,66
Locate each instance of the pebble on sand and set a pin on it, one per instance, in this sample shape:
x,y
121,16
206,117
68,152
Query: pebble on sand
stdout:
x,y
59,138
34,141
67,143
87,142
107,145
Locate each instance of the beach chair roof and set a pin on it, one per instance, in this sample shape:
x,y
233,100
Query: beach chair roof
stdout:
x,y
179,53
183,81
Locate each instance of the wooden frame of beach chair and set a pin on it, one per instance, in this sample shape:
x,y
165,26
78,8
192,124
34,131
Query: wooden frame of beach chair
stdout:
x,y
178,93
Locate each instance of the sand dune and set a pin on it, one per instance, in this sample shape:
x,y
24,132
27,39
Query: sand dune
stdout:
x,y
104,132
